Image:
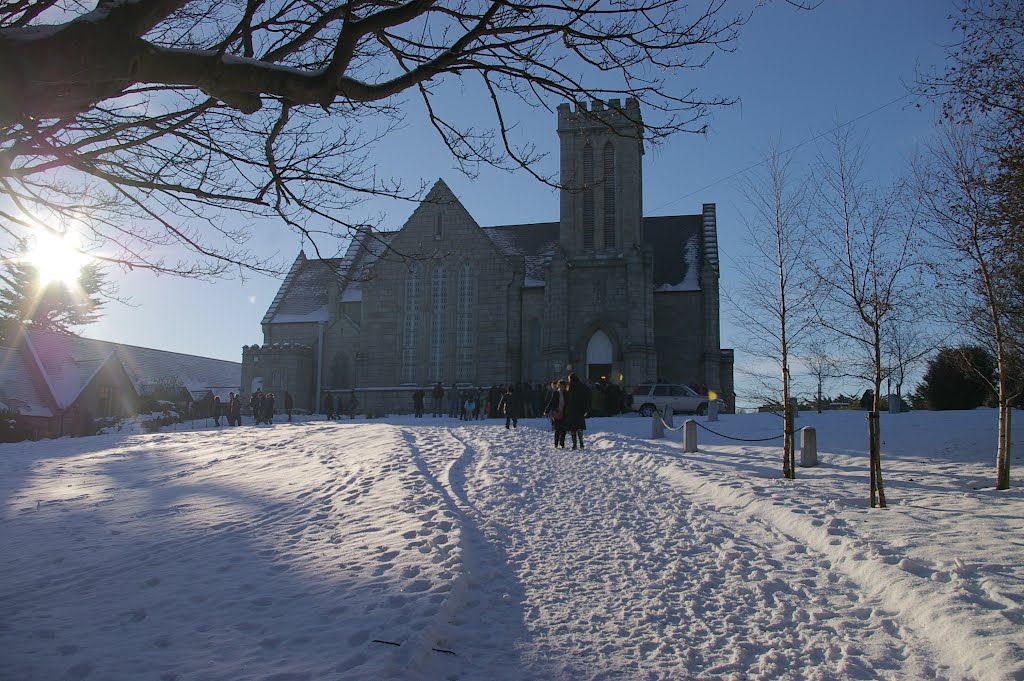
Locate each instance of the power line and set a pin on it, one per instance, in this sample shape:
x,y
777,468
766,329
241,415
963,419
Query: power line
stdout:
x,y
785,151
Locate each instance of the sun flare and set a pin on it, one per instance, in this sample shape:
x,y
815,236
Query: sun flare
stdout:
x,y
56,259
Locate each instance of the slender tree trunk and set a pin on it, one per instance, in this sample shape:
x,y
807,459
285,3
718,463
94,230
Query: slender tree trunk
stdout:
x,y
788,446
875,429
1005,443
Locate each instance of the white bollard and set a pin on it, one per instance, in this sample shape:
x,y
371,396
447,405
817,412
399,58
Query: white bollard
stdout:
x,y
712,414
808,447
689,435
657,429
668,418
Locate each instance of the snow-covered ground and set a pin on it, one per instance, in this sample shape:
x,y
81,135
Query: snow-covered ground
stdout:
x,y
437,549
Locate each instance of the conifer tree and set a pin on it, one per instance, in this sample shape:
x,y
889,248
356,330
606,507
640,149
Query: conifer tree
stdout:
x,y
55,306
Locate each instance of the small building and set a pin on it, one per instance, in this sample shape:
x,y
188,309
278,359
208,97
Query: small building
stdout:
x,y
59,384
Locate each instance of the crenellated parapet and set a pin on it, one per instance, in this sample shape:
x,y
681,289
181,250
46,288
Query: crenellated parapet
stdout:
x,y
599,114
275,350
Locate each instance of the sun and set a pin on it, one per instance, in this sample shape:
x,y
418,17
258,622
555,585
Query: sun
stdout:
x,y
56,259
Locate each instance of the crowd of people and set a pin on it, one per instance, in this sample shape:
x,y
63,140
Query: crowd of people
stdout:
x,y
261,408
565,402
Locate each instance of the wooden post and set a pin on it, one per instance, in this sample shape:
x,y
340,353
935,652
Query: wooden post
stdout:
x,y
689,435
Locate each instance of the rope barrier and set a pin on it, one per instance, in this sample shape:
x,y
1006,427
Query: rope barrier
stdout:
x,y
665,425
727,437
741,439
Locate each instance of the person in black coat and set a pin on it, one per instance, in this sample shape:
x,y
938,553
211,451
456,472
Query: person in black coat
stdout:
x,y
577,404
511,406
289,404
555,410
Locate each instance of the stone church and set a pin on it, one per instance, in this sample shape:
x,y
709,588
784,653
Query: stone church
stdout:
x,y
604,292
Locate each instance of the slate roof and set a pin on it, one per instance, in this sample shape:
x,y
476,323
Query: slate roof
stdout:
x,y
536,242
678,242
69,363
18,392
303,295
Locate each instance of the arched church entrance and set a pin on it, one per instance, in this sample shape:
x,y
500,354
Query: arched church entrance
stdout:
x,y
599,357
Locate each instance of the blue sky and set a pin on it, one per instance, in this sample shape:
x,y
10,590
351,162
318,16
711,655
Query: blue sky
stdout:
x,y
796,73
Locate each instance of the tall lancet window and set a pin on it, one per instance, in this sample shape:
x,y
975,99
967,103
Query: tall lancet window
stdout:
x,y
588,197
465,343
609,196
439,312
411,327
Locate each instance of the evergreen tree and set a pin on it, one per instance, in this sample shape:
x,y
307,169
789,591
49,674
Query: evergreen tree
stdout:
x,y
26,301
959,378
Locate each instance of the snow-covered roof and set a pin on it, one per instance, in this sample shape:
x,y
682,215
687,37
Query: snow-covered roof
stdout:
x,y
18,392
69,363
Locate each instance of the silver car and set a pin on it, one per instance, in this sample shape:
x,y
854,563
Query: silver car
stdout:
x,y
651,397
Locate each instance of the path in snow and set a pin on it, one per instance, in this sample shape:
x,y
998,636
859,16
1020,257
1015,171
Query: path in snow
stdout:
x,y
623,577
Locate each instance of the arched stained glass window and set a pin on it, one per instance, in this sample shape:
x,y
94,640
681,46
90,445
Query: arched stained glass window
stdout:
x,y
411,328
609,196
466,326
439,311
588,197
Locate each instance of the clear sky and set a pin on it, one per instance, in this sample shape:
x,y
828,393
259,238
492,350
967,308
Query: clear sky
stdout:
x,y
796,73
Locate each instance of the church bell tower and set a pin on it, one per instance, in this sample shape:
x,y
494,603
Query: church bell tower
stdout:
x,y
601,177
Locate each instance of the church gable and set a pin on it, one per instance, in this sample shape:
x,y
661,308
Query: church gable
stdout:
x,y
441,228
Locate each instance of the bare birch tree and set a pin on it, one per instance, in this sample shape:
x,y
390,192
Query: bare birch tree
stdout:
x,y
954,182
772,301
867,272
820,359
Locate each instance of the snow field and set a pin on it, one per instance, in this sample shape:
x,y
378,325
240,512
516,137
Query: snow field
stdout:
x,y
438,549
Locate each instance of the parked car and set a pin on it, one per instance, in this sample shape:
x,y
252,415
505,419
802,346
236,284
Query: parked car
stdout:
x,y
651,397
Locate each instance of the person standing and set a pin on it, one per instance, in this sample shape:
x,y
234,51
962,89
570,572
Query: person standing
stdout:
x,y
235,410
438,394
555,410
453,402
289,404
216,410
256,404
417,402
329,406
577,403
511,406
268,408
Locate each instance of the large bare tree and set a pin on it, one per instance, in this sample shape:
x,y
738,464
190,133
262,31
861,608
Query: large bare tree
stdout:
x,y
149,121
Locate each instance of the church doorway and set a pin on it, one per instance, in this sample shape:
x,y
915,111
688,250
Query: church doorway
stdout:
x,y
599,357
